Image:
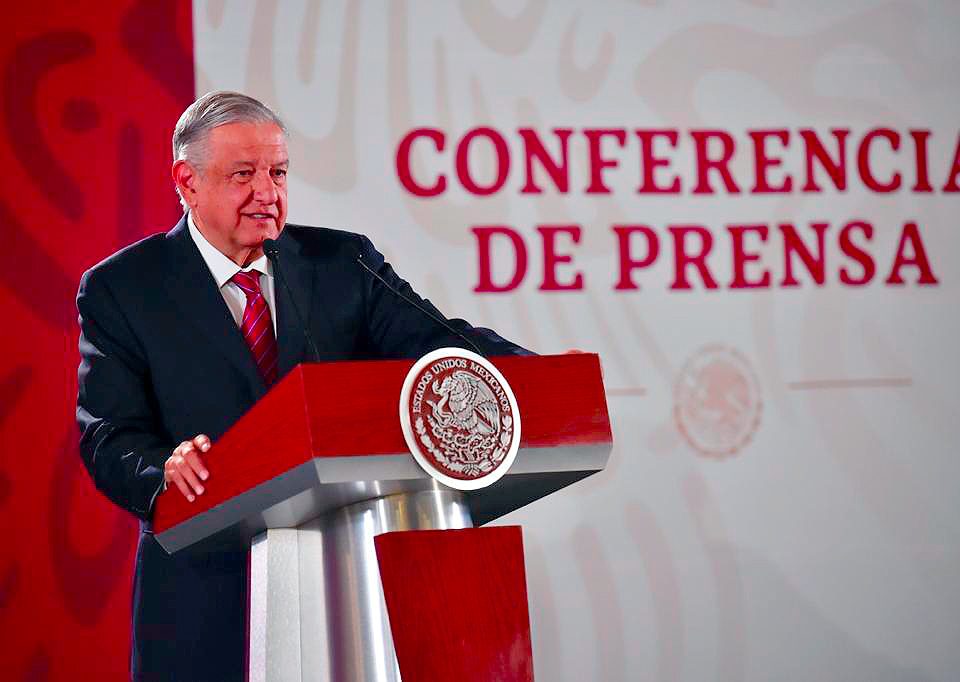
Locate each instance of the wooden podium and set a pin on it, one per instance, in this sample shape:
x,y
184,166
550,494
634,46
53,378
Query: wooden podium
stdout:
x,y
317,480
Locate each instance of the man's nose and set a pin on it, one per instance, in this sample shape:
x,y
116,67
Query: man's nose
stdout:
x,y
264,188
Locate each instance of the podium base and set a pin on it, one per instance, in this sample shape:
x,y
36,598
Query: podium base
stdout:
x,y
316,604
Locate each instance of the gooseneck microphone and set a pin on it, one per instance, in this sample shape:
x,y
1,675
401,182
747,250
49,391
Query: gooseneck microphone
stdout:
x,y
272,252
436,318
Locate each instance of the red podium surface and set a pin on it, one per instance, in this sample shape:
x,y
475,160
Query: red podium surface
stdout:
x,y
319,467
458,603
328,435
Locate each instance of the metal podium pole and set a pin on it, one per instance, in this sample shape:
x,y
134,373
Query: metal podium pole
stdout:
x,y
316,604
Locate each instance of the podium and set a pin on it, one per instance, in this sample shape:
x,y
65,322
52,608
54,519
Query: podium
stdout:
x,y
342,523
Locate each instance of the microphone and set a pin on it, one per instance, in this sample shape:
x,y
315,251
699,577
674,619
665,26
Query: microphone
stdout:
x,y
436,318
272,252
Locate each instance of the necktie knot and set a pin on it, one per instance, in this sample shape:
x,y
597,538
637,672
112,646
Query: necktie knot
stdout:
x,y
248,282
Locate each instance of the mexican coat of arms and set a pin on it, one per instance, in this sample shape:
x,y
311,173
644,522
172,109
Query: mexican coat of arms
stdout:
x,y
460,418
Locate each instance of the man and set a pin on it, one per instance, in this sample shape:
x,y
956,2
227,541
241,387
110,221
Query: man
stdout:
x,y
182,332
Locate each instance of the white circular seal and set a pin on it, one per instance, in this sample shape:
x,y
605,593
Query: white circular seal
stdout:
x,y
460,418
717,402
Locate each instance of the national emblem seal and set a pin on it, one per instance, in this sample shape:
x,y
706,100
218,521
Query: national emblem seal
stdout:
x,y
460,418
717,403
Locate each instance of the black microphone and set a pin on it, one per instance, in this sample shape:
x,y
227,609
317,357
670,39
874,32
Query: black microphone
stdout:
x,y
272,251
439,320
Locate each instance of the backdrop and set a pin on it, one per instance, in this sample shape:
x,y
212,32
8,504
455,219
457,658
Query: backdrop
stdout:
x,y
746,208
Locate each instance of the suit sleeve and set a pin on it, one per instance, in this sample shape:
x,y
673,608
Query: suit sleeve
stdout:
x,y
398,329
120,440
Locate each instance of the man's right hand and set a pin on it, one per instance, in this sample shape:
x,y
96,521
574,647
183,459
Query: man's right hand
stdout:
x,y
185,468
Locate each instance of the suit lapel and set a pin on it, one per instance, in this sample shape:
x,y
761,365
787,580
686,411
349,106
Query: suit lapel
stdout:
x,y
191,286
300,275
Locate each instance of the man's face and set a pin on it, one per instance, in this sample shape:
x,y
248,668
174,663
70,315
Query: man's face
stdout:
x,y
239,196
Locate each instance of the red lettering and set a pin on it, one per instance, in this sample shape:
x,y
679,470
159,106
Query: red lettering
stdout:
x,y
485,283
534,149
792,244
463,161
923,168
551,258
764,162
705,163
835,168
951,184
856,253
863,160
597,161
650,162
741,257
627,262
919,259
404,173
682,259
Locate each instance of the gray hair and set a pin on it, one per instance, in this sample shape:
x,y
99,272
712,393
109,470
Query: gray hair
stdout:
x,y
212,111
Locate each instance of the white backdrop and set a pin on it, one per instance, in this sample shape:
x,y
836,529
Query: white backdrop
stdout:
x,y
782,499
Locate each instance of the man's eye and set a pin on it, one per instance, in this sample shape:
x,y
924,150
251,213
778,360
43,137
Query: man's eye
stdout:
x,y
279,172
244,174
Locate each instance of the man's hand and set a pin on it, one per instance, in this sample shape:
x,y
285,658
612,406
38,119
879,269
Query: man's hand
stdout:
x,y
185,468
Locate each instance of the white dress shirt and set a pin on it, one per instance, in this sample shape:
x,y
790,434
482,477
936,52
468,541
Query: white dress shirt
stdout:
x,y
223,269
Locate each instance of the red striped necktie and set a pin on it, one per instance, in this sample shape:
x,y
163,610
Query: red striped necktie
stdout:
x,y
257,327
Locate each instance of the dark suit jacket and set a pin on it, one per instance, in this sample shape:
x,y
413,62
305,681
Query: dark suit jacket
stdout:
x,y
162,360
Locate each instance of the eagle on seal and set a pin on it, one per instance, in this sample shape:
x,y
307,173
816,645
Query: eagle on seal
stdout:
x,y
466,403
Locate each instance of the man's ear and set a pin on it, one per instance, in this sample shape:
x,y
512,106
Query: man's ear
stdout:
x,y
185,177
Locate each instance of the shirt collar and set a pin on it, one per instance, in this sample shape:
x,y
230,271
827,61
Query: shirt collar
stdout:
x,y
221,267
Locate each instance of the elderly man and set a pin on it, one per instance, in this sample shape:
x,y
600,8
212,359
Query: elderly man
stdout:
x,y
182,332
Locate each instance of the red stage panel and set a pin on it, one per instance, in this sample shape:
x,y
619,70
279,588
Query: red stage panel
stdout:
x,y
91,93
458,603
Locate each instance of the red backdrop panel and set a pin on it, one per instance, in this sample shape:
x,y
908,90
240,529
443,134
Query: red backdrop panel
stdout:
x,y
458,604
91,92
